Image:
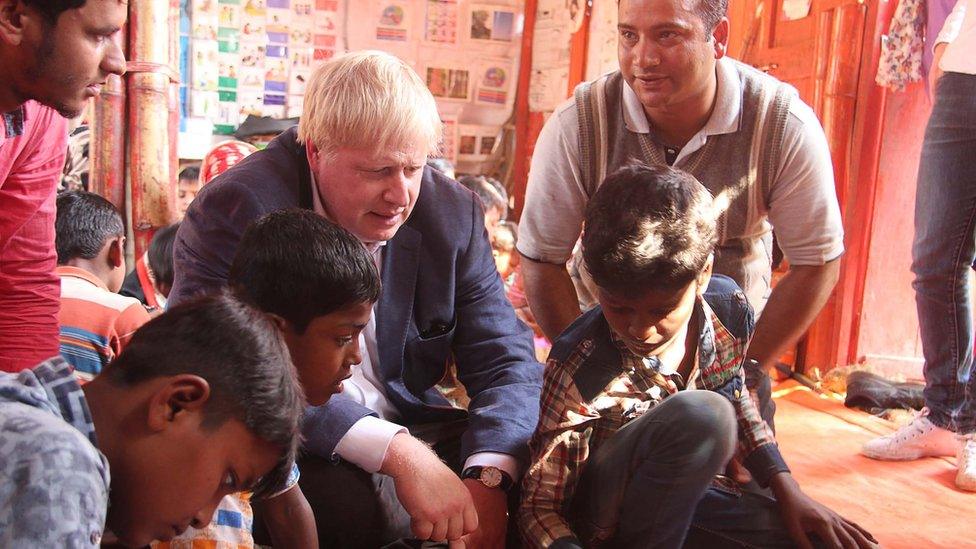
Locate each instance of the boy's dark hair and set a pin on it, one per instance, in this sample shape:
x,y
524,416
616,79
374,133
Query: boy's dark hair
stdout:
x,y
160,254
506,235
84,222
190,173
648,227
490,191
242,356
710,12
298,265
52,9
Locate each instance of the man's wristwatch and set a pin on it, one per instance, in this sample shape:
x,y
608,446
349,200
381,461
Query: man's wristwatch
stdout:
x,y
492,477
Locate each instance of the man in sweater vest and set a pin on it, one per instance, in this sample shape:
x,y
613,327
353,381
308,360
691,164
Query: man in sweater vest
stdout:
x,y
678,100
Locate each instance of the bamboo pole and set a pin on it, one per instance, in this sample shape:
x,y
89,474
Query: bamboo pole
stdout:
x,y
151,154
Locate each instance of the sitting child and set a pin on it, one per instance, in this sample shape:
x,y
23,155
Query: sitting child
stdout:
x,y
152,278
203,402
319,284
95,321
493,198
644,395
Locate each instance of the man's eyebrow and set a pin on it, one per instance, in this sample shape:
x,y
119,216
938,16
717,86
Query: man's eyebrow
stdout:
x,y
107,29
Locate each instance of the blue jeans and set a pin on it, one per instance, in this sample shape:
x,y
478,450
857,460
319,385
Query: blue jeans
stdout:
x,y
944,251
650,484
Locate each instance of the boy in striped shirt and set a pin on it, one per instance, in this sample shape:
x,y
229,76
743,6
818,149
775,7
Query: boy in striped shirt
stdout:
x,y
95,321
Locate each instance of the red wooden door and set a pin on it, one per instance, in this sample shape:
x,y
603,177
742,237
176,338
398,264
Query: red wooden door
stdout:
x,y
821,55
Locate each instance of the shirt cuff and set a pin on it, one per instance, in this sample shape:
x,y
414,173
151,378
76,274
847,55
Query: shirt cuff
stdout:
x,y
504,462
366,442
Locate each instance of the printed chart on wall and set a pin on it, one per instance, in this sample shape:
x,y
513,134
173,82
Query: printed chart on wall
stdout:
x,y
256,56
441,23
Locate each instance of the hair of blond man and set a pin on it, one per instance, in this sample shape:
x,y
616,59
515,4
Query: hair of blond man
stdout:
x,y
368,99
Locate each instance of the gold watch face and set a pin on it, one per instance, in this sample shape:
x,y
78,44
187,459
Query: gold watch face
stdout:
x,y
491,477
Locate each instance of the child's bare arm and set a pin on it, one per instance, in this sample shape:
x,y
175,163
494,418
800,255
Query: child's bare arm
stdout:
x,y
289,519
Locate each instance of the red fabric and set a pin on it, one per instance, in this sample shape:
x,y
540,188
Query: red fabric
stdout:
x,y
223,156
145,283
30,165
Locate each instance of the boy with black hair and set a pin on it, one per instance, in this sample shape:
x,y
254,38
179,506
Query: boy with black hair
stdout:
x,y
152,278
203,402
95,322
318,283
627,452
187,188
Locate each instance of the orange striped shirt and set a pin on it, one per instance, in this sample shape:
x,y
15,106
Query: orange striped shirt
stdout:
x,y
95,323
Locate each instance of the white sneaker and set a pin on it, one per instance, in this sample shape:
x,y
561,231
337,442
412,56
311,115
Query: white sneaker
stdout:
x,y
920,438
966,477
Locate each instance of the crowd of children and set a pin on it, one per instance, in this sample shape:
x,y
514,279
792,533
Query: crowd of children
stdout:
x,y
175,417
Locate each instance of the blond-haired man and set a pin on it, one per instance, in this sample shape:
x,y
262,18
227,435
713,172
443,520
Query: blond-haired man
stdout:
x,y
358,157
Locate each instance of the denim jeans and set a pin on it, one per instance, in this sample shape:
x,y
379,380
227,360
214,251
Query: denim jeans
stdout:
x,y
651,484
944,251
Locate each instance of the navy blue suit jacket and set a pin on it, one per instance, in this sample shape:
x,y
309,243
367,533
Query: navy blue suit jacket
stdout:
x,y
442,299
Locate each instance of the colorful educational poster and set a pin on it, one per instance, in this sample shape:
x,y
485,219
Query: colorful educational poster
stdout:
x,y
441,26
251,102
229,13
325,47
495,79
475,142
449,83
204,103
393,21
326,19
251,79
449,141
228,40
492,23
206,67
205,20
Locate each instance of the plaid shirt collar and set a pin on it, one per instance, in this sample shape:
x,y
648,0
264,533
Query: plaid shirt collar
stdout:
x,y
647,369
14,122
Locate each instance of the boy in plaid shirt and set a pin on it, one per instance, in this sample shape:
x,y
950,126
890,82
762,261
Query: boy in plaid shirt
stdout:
x,y
627,453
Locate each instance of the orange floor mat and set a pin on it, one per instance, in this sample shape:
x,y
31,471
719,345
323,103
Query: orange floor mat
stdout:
x,y
904,504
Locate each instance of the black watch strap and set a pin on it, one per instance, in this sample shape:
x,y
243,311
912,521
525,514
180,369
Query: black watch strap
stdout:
x,y
490,476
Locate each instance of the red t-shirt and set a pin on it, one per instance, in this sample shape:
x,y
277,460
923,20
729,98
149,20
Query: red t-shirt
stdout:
x,y
32,147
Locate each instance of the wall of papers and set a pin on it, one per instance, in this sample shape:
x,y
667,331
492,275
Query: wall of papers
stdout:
x,y
254,57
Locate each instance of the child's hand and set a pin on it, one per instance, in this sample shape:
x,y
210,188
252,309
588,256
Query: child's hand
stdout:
x,y
803,515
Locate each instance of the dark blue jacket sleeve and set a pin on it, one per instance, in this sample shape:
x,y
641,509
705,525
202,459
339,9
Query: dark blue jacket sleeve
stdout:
x,y
207,239
323,426
495,355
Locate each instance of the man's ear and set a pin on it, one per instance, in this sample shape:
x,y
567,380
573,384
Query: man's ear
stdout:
x,y
705,276
312,154
116,252
179,396
12,20
720,38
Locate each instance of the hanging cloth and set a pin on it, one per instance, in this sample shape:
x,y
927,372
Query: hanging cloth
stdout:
x,y
903,46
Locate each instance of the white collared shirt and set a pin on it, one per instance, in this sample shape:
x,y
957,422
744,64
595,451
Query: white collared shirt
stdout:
x,y
959,31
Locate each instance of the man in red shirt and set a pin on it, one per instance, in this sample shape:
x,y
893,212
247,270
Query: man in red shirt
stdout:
x,y
54,57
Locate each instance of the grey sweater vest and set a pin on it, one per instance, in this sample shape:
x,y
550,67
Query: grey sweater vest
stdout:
x,y
739,168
